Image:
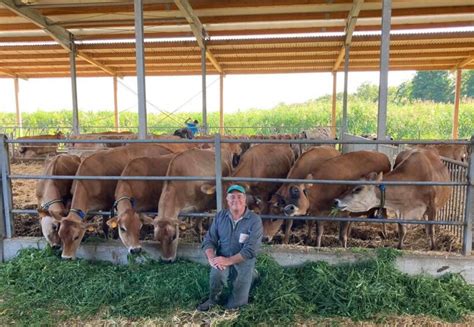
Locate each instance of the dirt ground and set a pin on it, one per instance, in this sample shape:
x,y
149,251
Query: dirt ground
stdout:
x,y
367,235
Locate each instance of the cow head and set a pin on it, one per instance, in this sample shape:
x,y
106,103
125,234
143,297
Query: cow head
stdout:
x,y
362,197
167,233
49,228
292,199
272,226
71,231
129,224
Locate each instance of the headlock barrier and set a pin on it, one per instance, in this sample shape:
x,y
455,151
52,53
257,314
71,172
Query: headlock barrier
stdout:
x,y
456,215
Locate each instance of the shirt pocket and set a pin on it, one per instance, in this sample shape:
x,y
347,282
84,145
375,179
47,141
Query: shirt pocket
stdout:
x,y
243,237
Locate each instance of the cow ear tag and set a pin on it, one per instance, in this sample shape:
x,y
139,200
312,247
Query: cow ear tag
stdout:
x,y
90,228
113,224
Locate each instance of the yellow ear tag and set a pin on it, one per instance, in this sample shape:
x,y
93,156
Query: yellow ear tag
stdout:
x,y
90,229
113,224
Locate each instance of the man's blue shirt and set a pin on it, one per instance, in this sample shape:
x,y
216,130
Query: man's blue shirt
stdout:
x,y
245,238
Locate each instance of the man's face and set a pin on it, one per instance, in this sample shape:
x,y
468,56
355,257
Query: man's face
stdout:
x,y
236,201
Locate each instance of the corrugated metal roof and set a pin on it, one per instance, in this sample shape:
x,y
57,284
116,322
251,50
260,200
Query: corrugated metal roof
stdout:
x,y
260,36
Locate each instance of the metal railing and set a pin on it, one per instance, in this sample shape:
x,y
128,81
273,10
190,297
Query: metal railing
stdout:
x,y
449,220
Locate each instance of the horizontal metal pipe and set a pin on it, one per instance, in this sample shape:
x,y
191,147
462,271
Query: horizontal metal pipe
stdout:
x,y
339,181
114,178
238,179
224,140
112,141
309,218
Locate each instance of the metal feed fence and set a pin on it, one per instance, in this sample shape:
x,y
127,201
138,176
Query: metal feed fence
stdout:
x,y
453,210
7,177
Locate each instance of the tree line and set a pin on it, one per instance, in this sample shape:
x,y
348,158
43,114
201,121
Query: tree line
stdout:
x,y
436,86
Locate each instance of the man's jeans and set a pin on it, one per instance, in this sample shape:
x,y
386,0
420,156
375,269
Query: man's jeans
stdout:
x,y
240,276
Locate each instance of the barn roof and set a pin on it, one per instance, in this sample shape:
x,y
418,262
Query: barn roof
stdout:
x,y
243,36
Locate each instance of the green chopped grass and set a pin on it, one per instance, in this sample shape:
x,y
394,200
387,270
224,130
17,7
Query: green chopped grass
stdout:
x,y
38,288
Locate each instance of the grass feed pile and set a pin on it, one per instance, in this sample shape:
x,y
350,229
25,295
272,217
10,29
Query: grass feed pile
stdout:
x,y
38,288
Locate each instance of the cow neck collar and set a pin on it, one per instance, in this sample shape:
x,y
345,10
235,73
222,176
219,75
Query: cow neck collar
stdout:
x,y
45,206
115,205
78,212
381,188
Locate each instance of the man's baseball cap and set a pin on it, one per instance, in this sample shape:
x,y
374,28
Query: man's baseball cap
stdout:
x,y
237,188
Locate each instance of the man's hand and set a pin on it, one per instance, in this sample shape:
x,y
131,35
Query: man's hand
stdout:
x,y
210,254
221,262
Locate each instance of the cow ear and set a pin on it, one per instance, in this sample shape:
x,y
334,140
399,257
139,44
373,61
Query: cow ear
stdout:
x,y
208,189
112,222
91,227
306,186
145,219
42,213
379,177
370,176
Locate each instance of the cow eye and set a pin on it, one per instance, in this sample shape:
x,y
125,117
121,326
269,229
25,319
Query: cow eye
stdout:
x,y
294,192
305,192
122,229
76,238
55,228
357,189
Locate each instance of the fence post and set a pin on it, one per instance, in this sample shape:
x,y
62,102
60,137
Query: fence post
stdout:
x,y
2,216
6,186
217,147
469,210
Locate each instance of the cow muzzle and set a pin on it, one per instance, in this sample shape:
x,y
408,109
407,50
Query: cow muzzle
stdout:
x,y
135,250
56,246
339,205
290,210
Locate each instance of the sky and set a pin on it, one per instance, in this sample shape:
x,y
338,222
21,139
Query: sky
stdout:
x,y
183,93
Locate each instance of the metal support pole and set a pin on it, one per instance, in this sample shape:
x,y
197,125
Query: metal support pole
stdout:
x,y
75,110
140,59
204,99
384,63
217,144
6,187
457,98
469,211
333,111
2,220
116,113
344,99
221,108
19,121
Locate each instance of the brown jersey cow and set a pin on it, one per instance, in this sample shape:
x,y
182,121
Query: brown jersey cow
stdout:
x,y
132,196
32,150
186,196
318,199
309,160
54,195
407,201
263,161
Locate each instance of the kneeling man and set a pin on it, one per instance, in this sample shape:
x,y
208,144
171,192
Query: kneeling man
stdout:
x,y
231,245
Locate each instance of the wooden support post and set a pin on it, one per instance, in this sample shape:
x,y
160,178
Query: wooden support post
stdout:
x,y
221,111
457,98
116,113
19,121
333,112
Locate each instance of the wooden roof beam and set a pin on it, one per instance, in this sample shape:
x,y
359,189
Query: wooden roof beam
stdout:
x,y
62,36
198,30
58,33
8,72
350,26
464,62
